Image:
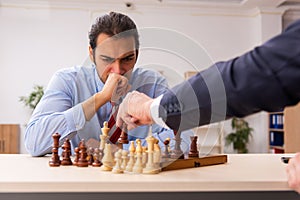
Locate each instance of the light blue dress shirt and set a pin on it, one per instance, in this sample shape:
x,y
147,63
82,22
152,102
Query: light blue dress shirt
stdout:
x,y
60,110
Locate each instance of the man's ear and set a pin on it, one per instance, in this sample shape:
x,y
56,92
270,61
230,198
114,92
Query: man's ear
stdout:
x,y
91,54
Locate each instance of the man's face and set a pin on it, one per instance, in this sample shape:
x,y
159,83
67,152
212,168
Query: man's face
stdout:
x,y
114,55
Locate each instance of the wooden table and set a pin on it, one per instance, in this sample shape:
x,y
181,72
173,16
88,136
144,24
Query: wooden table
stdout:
x,y
259,175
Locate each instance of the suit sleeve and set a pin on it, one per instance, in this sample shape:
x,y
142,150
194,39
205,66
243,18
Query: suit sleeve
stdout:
x,y
266,78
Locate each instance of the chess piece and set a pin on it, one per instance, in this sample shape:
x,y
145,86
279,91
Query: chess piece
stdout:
x,y
55,161
123,137
193,148
156,153
104,136
107,160
90,157
144,156
131,161
124,159
166,153
66,154
82,161
118,161
97,156
76,151
150,166
138,166
177,153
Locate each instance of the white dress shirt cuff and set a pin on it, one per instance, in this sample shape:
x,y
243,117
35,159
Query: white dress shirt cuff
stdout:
x,y
154,111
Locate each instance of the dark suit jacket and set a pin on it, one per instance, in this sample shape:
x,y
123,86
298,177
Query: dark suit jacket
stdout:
x,y
266,78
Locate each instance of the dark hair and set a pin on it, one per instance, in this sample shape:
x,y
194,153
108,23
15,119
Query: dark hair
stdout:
x,y
113,24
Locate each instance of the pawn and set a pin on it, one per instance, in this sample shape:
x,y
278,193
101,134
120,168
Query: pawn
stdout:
x,y
66,154
138,166
90,158
144,156
76,150
97,156
193,148
82,161
124,159
131,161
166,153
157,153
118,160
55,161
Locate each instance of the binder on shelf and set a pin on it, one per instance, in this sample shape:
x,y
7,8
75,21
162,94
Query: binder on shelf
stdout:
x,y
276,138
276,121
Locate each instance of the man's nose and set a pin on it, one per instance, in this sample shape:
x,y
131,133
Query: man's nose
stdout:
x,y
116,66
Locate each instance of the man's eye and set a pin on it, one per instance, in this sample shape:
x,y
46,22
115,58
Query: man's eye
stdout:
x,y
127,59
108,60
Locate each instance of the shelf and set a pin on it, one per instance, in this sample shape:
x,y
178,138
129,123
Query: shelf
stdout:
x,y
276,147
279,112
276,129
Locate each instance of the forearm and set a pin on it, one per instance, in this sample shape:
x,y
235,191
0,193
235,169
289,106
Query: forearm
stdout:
x,y
92,104
266,78
38,135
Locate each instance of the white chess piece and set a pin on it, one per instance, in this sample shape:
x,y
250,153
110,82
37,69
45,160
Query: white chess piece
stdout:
x,y
118,160
107,159
150,166
104,136
131,161
124,159
138,166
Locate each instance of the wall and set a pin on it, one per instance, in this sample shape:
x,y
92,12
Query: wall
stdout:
x,y
39,38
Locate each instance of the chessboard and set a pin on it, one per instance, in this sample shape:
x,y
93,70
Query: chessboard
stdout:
x,y
137,159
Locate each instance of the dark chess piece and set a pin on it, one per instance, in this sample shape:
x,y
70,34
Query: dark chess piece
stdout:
x,y
177,153
90,158
76,150
82,161
55,161
97,158
123,137
66,154
166,153
193,149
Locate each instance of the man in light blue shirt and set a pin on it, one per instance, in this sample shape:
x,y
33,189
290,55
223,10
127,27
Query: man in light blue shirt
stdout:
x,y
78,100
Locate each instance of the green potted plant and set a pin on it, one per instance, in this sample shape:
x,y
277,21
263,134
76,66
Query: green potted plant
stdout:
x,y
34,97
240,135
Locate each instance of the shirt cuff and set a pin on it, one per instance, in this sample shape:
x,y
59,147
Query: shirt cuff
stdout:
x,y
75,118
154,111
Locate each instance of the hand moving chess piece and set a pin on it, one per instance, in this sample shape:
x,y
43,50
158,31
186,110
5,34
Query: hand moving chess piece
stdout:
x,y
55,161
